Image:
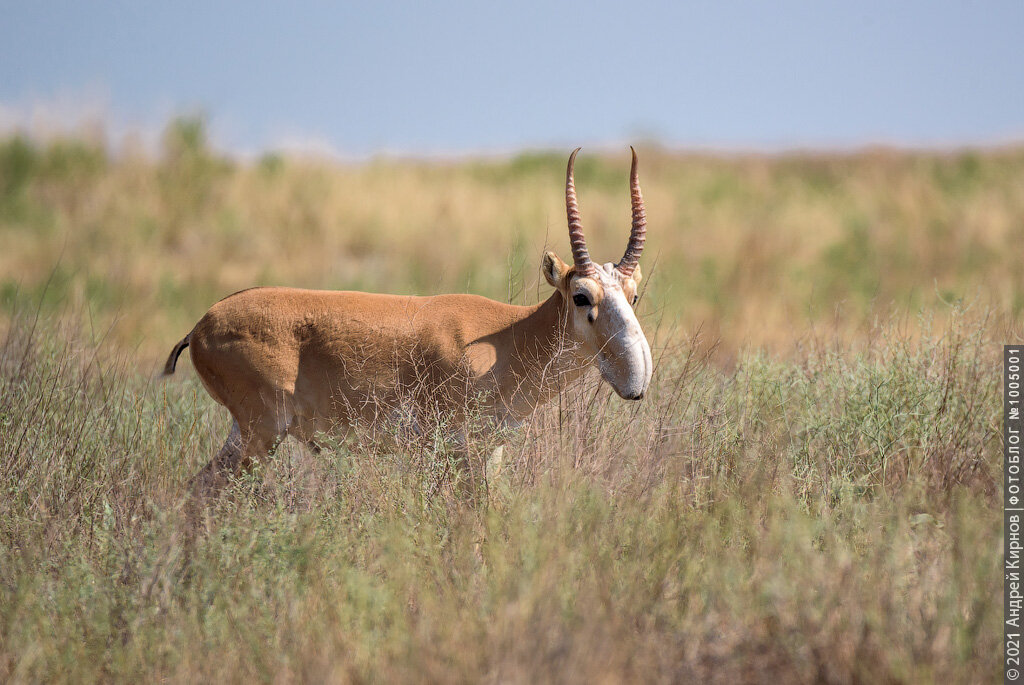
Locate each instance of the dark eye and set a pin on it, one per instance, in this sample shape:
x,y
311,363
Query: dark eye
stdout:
x,y
581,300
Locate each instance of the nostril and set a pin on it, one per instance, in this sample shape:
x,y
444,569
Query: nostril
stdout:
x,y
638,396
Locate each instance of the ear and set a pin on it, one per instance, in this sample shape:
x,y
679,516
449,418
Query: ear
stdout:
x,y
554,270
637,275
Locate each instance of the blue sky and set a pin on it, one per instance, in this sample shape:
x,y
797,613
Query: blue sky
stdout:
x,y
450,78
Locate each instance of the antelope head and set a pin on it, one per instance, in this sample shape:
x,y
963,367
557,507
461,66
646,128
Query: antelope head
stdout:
x,y
600,322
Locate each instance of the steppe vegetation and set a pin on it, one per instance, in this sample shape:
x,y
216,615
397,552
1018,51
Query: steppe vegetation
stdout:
x,y
809,494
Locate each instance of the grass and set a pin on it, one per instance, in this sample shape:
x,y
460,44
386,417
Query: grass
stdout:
x,y
830,517
810,494
756,249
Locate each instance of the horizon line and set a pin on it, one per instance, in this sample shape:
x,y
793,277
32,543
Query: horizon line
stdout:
x,y
119,136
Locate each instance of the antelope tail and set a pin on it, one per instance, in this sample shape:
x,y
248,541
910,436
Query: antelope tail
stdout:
x,y
172,360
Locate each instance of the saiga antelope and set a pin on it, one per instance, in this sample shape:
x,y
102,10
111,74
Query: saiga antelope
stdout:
x,y
295,362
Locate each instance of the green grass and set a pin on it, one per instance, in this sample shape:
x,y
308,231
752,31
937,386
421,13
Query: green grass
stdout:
x,y
827,517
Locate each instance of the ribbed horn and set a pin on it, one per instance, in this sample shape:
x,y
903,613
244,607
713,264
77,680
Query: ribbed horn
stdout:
x,y
638,233
580,256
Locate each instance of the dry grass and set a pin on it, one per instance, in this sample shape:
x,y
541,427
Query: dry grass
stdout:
x,y
828,518
823,509
756,250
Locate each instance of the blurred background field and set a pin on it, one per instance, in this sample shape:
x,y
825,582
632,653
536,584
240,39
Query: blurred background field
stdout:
x,y
755,250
